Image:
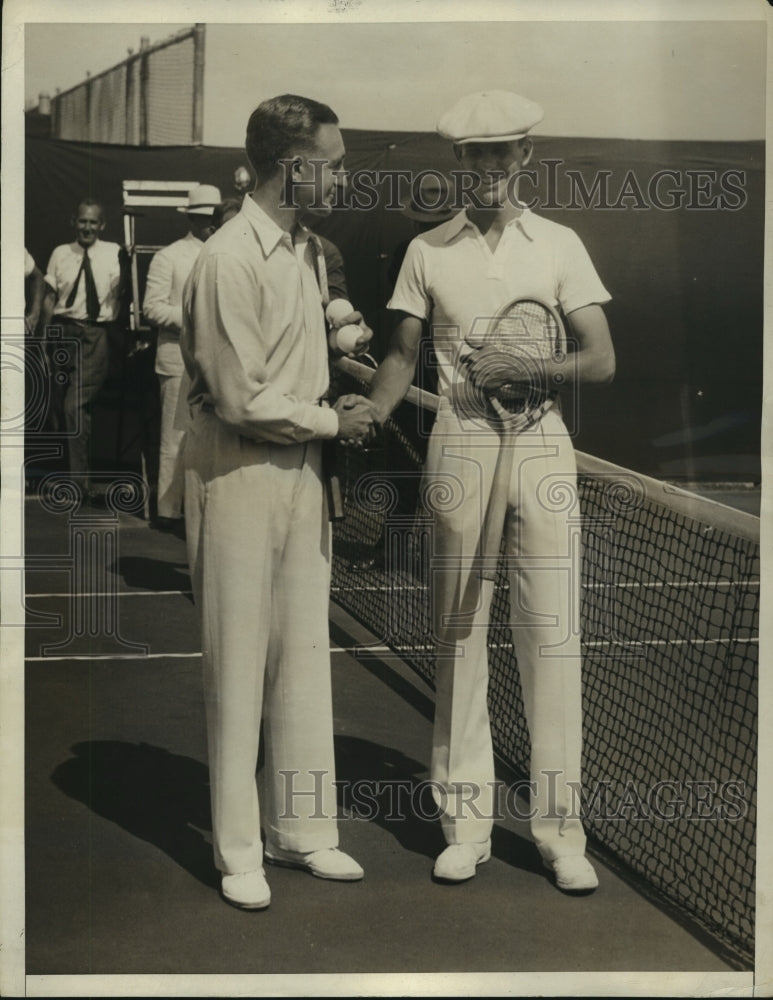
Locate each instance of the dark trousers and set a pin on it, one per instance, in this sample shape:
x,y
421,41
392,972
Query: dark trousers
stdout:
x,y
80,364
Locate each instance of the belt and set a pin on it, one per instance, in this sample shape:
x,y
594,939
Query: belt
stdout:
x,y
71,321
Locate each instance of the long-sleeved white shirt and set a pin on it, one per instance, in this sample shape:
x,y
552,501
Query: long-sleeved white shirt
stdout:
x,y
163,302
253,337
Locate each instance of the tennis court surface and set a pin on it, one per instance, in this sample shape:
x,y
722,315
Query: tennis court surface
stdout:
x,y
119,873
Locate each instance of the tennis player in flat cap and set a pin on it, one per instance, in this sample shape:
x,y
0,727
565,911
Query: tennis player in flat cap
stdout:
x,y
458,277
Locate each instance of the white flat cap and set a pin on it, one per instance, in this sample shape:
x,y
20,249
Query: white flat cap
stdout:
x,y
490,116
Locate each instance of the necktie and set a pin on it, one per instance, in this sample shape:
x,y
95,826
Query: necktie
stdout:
x,y
92,296
320,268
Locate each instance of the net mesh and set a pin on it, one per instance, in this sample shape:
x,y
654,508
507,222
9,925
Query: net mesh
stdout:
x,y
669,619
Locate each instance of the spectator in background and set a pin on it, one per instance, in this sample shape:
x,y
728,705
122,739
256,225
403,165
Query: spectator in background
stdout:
x,y
225,211
243,182
85,282
34,293
162,306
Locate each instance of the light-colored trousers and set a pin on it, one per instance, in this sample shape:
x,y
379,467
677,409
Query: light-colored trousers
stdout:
x,y
542,543
170,472
259,551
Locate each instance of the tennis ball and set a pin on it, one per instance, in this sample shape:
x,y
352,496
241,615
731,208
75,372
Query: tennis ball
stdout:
x,y
337,309
347,337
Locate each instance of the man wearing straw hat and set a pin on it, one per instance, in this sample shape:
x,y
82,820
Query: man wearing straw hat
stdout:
x,y
162,306
469,268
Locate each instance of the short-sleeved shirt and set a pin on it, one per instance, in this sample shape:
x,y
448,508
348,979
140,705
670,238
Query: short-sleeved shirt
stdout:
x,y
62,272
451,278
253,337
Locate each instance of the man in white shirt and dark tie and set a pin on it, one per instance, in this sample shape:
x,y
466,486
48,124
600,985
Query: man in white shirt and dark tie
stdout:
x,y
82,303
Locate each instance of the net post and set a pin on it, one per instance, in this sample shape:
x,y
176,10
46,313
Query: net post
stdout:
x,y
144,87
89,125
198,84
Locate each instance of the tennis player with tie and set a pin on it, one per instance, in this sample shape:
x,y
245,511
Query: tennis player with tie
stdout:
x,y
458,277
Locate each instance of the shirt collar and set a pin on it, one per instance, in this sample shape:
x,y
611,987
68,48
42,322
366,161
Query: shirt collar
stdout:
x,y
79,249
269,234
459,222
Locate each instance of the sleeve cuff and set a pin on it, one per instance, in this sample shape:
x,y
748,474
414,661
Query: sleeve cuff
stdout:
x,y
327,422
598,300
399,305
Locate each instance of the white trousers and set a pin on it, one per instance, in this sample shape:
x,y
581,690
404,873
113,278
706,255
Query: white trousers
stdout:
x,y
259,550
170,472
542,544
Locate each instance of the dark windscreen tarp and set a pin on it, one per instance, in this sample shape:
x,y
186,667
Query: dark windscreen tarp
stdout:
x,y
675,230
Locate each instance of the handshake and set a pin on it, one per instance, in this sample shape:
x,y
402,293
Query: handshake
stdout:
x,y
357,420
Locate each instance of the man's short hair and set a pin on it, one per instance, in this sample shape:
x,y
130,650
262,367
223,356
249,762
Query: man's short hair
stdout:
x,y
89,202
281,126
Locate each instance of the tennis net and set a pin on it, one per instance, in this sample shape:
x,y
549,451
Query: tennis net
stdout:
x,y
669,617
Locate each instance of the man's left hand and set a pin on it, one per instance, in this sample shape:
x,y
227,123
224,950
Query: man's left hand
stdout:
x,y
363,340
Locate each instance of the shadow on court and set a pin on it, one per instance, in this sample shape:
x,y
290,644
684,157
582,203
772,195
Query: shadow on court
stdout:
x,y
385,786
147,573
154,794
119,871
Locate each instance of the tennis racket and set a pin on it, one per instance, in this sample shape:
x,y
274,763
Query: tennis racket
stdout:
x,y
529,332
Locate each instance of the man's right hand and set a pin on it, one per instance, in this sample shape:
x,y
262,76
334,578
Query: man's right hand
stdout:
x,y
355,419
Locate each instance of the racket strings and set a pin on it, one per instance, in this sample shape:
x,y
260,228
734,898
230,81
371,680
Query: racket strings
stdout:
x,y
528,329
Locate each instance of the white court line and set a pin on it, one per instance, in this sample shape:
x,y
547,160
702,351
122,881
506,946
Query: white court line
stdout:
x,y
382,650
633,584
388,589
114,593
107,657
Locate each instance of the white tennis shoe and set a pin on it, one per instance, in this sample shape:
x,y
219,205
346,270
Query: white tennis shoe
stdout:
x,y
247,890
459,861
329,863
573,874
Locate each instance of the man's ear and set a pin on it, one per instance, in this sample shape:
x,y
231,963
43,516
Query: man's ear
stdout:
x,y
528,149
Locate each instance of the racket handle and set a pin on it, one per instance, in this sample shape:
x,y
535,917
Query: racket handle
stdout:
x,y
333,492
496,512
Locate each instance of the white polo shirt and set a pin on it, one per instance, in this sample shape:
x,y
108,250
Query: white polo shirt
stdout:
x,y
451,278
253,336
